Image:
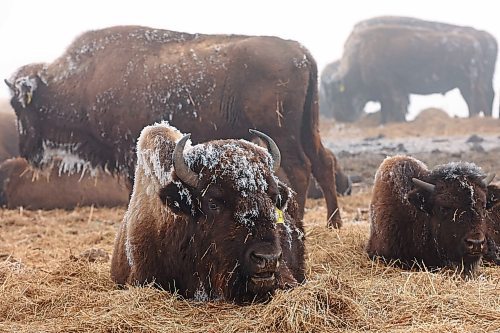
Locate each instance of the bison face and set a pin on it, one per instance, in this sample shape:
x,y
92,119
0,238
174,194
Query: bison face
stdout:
x,y
24,103
228,192
236,237
456,212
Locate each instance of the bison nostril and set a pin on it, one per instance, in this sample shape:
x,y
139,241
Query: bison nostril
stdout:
x,y
471,243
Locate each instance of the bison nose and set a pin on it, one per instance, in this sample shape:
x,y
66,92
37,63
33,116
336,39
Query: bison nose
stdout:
x,y
265,260
474,245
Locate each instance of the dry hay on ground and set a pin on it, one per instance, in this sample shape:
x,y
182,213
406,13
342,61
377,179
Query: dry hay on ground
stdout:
x,y
51,282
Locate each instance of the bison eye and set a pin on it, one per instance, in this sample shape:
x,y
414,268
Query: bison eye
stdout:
x,y
212,205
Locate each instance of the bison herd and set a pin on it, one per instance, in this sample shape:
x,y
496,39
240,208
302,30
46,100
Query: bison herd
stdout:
x,y
221,217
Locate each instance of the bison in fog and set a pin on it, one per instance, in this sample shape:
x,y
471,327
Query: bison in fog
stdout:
x,y
9,139
435,217
22,186
93,101
210,221
386,59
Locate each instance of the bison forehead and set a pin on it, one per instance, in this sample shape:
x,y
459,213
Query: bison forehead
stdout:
x,y
245,165
465,174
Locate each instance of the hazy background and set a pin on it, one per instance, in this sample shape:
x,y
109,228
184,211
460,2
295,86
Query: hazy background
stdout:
x,y
39,31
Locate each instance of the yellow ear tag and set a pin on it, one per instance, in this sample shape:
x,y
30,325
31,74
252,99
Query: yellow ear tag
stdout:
x,y
342,88
279,214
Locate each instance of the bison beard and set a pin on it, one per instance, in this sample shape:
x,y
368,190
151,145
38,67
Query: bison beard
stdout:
x,y
207,223
435,217
94,100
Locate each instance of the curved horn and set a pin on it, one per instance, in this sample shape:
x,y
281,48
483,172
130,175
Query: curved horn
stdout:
x,y
182,170
488,179
10,85
423,185
273,148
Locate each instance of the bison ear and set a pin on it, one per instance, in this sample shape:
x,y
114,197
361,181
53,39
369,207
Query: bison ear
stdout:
x,y
284,195
171,197
420,199
493,196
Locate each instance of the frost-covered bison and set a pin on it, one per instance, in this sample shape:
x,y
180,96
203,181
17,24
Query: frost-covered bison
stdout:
x,y
94,100
435,217
386,59
210,221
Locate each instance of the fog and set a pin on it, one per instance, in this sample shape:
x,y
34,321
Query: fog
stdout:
x,y
39,31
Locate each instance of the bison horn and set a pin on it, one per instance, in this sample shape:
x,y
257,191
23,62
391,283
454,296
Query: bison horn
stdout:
x,y
182,170
10,85
273,148
423,185
489,177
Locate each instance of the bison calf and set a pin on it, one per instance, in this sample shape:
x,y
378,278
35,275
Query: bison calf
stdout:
x,y
212,222
435,217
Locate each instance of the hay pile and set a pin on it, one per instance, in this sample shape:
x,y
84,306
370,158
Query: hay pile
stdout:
x,y
54,277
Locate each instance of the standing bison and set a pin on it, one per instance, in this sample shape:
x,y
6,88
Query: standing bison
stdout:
x,y
435,217
386,59
210,222
94,100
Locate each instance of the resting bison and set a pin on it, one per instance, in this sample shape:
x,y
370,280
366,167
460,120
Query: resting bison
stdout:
x,y
210,223
436,217
9,139
94,100
386,59
21,186
493,223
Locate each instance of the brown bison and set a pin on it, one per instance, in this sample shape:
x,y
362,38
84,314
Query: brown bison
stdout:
x,y
493,224
435,217
22,186
9,139
386,59
210,222
94,100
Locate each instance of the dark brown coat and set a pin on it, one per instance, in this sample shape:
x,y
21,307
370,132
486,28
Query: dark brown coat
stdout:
x,y
387,59
110,83
219,238
438,223
493,223
22,186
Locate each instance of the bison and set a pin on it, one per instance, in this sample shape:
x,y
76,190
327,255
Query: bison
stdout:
x,y
22,186
435,217
9,139
388,58
93,101
210,221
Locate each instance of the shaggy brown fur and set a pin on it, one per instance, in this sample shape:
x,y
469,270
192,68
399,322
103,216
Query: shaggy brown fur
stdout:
x,y
202,241
94,100
440,227
22,186
387,59
493,223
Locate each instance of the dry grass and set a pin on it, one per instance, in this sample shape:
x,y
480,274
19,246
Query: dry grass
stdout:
x,y
49,282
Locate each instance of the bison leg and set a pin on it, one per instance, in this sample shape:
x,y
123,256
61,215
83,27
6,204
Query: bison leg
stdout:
x,y
393,108
298,170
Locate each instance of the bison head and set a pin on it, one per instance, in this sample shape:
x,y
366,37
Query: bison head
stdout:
x,y
454,198
236,209
341,94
